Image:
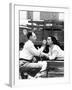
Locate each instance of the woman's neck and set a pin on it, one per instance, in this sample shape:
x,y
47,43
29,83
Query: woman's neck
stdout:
x,y
51,46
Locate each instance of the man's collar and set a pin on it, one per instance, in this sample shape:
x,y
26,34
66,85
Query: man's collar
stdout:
x,y
30,41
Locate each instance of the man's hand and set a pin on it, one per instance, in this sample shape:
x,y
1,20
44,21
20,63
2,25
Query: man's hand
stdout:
x,y
44,42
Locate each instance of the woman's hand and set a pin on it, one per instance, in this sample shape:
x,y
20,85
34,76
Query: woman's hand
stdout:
x,y
44,54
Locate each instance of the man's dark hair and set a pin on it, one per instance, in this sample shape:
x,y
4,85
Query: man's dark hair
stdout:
x,y
29,34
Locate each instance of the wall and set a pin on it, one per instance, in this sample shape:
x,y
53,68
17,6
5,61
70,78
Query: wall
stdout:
x,y
49,16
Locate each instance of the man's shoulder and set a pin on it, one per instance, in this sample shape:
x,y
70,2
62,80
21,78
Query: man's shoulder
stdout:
x,y
29,43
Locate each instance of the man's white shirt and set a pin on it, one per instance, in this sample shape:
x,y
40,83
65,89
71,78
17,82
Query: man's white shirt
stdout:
x,y
29,51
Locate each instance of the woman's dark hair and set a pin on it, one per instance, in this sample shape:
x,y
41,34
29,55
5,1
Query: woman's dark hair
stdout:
x,y
29,34
55,41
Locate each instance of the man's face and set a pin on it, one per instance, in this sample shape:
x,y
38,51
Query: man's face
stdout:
x,y
33,37
49,41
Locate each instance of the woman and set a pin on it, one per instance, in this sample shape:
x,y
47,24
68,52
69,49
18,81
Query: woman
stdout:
x,y
54,49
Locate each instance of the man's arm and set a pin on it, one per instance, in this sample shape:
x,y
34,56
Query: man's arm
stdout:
x,y
34,51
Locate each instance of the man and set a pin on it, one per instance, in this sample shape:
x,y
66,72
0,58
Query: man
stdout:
x,y
27,54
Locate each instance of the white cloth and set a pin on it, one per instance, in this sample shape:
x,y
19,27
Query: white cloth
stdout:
x,y
55,52
29,51
44,65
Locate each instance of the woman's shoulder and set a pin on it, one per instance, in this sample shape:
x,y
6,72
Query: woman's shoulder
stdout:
x,y
56,47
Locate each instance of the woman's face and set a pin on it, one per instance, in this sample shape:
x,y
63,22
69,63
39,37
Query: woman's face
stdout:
x,y
49,41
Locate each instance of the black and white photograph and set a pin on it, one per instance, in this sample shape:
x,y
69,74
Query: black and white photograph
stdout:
x,y
41,44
